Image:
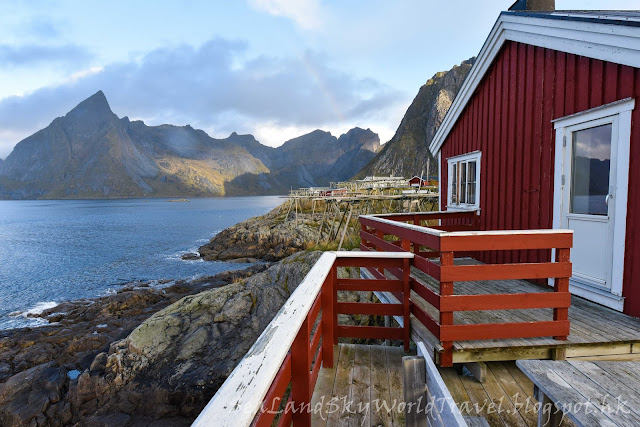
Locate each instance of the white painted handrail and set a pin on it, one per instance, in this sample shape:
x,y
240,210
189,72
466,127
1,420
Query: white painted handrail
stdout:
x,y
441,233
412,227
240,398
374,255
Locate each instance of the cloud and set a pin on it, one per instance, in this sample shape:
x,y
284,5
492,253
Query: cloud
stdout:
x,y
306,13
213,87
70,55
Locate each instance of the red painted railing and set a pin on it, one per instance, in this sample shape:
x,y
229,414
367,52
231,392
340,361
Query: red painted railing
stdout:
x,y
301,337
442,242
320,330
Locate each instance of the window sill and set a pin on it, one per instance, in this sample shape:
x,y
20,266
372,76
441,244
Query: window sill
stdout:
x,y
463,208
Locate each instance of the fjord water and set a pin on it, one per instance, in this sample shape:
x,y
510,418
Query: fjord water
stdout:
x,y
60,250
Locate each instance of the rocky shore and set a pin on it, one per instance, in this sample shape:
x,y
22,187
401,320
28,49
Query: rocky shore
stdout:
x,y
269,237
154,356
39,365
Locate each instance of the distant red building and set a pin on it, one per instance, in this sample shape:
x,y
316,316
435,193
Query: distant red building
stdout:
x,y
545,133
419,181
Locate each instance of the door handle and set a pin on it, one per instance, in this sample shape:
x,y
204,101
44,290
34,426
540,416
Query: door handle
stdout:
x,y
609,197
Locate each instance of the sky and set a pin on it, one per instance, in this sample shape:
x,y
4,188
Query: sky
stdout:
x,y
274,68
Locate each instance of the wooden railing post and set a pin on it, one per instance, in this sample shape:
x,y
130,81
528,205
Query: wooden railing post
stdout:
x,y
446,317
406,294
301,376
380,235
561,284
334,294
326,299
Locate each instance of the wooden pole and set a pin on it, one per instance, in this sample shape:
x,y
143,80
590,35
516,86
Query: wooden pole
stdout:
x,y
289,210
346,227
326,206
340,224
333,221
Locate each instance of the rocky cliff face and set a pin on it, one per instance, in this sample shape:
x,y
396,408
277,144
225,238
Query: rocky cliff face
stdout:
x,y
407,152
91,153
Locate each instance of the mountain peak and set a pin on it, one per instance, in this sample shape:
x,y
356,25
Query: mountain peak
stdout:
x,y
96,104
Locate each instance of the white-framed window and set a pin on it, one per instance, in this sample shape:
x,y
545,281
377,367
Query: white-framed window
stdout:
x,y
464,181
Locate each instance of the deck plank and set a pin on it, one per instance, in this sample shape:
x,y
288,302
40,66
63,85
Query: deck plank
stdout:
x,y
569,387
616,385
514,391
342,386
360,387
480,401
380,395
456,388
323,391
396,389
362,375
502,401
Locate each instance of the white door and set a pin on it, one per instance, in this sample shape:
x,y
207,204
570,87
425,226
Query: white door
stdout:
x,y
591,181
588,190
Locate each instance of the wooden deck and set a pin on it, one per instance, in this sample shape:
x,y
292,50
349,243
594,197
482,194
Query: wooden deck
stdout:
x,y
363,389
364,375
589,393
597,332
505,398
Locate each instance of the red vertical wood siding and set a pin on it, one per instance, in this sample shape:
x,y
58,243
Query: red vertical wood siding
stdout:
x,y
509,119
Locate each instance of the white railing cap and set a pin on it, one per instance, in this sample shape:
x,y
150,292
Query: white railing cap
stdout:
x,y
413,227
372,254
442,233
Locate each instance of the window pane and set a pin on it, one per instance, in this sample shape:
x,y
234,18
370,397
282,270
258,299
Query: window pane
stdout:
x,y
454,185
471,193
463,182
472,171
471,183
590,166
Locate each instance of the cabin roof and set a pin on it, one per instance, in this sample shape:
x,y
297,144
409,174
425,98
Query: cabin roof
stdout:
x,y
612,36
611,17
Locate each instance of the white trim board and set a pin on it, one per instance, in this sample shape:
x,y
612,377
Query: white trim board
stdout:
x,y
599,40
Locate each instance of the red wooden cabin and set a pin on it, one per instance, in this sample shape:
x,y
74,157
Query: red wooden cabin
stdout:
x,y
419,181
545,133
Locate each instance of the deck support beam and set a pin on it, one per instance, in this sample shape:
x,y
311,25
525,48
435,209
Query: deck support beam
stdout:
x,y
478,370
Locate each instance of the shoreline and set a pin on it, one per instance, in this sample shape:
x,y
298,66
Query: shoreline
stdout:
x,y
149,353
120,312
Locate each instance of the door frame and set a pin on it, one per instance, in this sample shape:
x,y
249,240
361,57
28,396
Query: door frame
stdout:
x,y
621,110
